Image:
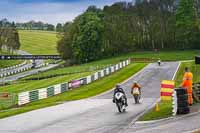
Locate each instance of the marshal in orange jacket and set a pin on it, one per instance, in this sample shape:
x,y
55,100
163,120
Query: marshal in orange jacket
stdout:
x,y
187,83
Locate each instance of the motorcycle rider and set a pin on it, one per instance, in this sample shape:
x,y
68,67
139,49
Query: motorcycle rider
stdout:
x,y
136,89
159,62
118,88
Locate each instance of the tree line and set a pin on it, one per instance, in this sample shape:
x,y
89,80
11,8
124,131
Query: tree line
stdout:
x,y
9,37
34,25
124,27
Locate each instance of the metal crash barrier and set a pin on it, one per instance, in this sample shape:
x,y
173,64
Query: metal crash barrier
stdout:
x,y
31,96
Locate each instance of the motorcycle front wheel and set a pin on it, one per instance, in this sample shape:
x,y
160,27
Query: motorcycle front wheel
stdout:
x,y
119,107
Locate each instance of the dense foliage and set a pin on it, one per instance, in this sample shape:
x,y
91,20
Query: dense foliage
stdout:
x,y
124,27
9,37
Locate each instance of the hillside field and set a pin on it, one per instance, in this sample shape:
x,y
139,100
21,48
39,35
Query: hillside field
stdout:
x,y
38,42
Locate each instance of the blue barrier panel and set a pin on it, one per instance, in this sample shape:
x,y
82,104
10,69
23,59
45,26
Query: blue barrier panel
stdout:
x,y
92,77
50,91
34,95
64,87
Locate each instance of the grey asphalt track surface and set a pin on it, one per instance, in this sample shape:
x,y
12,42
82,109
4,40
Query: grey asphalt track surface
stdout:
x,y
94,115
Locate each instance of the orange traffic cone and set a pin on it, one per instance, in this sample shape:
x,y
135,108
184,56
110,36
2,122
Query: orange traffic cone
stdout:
x,y
157,107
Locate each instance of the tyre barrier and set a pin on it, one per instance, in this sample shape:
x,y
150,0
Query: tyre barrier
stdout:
x,y
31,96
182,101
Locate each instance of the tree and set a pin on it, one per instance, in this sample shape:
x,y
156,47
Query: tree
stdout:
x,y
50,27
82,41
9,37
59,27
186,17
87,44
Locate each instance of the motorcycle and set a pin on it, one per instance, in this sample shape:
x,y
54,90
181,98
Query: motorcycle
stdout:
x,y
159,62
137,98
136,94
120,102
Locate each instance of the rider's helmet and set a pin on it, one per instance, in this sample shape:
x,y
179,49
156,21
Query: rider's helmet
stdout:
x,y
118,85
134,82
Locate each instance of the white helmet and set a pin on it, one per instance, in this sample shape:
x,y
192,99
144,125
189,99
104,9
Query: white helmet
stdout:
x,y
135,82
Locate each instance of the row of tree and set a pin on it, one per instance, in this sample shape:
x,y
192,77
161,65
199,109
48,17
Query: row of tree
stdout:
x,y
33,25
124,27
9,37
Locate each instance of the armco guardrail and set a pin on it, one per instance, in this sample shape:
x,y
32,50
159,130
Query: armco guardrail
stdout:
x,y
30,96
13,67
28,67
5,74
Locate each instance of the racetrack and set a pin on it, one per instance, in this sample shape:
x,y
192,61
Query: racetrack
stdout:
x,y
93,115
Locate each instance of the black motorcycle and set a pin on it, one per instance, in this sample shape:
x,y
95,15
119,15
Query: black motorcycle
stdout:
x,y
120,102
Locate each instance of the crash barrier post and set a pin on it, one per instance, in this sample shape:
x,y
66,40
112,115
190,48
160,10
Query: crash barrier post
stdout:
x,y
7,100
196,91
31,96
167,87
182,101
174,103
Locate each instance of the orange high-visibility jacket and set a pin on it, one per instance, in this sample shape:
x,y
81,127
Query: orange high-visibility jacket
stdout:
x,y
187,81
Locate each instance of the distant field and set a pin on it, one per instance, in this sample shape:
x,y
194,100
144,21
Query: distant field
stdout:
x,y
38,42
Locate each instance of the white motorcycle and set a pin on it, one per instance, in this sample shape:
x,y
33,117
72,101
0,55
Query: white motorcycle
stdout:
x,y
120,101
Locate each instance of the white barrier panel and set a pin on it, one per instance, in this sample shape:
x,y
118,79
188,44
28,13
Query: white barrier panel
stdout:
x,y
127,62
42,93
107,71
120,65
57,89
117,67
89,79
96,76
23,98
124,63
70,85
112,69
102,73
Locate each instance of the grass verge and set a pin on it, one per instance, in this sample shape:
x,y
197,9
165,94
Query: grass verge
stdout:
x,y
165,111
86,91
22,86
